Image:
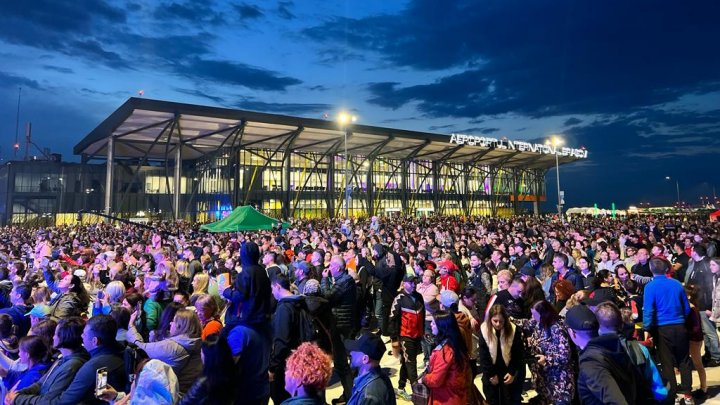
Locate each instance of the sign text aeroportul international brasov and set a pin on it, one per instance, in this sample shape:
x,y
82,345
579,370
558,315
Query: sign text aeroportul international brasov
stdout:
x,y
521,146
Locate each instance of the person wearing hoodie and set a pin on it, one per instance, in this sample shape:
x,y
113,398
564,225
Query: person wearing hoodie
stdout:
x,y
20,298
181,350
250,297
605,369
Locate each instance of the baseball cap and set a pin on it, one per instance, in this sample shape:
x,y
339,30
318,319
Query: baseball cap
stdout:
x,y
448,298
367,343
408,278
580,317
299,265
527,271
39,311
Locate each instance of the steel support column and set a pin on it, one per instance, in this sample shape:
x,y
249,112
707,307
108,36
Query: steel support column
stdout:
x,y
109,175
286,184
370,195
330,195
176,181
404,186
436,181
516,190
466,188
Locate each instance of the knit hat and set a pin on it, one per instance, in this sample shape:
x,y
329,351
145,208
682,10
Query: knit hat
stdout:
x,y
311,287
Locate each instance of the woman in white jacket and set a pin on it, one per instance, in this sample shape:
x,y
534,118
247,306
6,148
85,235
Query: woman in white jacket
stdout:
x,y
181,350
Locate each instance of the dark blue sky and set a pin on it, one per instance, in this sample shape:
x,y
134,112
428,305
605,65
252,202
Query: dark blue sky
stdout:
x,y
637,83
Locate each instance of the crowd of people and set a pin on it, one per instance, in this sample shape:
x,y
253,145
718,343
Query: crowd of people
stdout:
x,y
597,310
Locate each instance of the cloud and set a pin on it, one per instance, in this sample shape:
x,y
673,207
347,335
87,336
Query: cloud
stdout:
x,y
440,127
570,61
197,93
196,12
169,48
93,51
8,80
283,10
284,108
65,27
248,11
58,69
572,121
233,73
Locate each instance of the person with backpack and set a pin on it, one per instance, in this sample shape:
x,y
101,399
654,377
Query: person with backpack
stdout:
x,y
407,325
287,331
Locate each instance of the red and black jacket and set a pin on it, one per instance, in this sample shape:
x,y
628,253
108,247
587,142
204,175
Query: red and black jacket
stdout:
x,y
407,316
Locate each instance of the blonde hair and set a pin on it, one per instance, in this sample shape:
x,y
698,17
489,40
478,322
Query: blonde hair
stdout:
x,y
506,274
187,323
115,291
202,283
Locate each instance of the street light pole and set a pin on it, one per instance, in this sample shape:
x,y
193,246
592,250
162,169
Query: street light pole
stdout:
x,y
347,177
677,188
555,141
345,119
557,174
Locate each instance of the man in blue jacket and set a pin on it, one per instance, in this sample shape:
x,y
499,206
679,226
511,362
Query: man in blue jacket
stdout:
x,y
665,307
372,386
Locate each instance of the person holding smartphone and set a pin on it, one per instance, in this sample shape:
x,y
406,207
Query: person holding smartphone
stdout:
x,y
99,339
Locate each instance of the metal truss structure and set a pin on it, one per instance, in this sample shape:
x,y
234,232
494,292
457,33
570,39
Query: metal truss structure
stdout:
x,y
214,159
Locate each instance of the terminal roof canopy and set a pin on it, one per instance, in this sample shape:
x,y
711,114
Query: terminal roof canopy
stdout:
x,y
156,128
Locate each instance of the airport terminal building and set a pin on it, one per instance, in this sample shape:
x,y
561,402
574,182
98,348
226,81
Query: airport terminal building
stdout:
x,y
173,160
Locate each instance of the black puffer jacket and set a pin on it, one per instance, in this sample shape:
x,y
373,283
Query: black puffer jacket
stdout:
x,y
341,293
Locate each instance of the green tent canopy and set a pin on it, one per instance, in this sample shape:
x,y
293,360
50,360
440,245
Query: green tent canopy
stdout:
x,y
245,218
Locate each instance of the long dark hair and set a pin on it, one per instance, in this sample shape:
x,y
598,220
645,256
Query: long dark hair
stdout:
x,y
219,369
548,314
449,333
600,276
168,314
79,289
133,299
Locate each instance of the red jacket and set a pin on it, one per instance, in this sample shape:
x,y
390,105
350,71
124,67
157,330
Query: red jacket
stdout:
x,y
448,385
449,282
407,315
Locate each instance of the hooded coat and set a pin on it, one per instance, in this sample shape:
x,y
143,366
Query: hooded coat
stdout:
x,y
180,352
250,302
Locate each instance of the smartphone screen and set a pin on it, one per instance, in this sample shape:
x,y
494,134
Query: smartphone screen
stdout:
x,y
100,380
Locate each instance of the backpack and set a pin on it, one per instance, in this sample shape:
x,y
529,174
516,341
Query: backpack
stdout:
x,y
307,329
310,328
